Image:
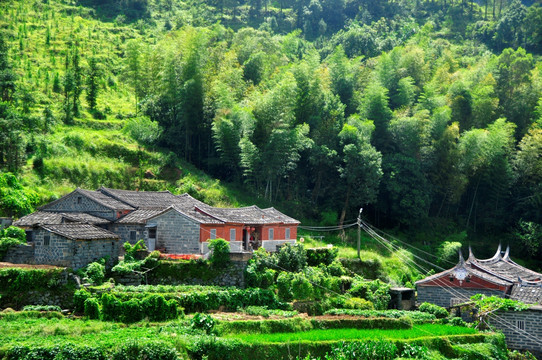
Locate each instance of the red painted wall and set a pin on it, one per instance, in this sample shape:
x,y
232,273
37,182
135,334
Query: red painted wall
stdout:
x,y
475,283
223,231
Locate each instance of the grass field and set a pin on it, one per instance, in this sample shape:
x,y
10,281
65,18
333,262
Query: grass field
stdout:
x,y
418,331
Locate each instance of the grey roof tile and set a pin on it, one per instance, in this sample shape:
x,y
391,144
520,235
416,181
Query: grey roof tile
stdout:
x,y
142,199
80,231
50,217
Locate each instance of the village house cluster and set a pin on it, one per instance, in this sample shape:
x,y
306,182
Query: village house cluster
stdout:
x,y
498,276
86,225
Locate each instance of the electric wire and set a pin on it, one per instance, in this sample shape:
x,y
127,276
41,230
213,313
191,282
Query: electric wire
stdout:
x,y
459,295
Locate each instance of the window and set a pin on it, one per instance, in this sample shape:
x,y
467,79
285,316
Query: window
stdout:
x,y
213,234
46,240
520,324
132,235
29,235
287,234
79,199
271,234
152,233
232,234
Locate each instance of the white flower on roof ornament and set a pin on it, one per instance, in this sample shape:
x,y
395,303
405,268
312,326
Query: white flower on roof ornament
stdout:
x,y
461,274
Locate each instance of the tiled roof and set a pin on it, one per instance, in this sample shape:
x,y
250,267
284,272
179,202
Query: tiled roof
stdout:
x,y
105,200
39,217
280,216
139,216
142,199
80,231
247,215
529,294
49,217
84,218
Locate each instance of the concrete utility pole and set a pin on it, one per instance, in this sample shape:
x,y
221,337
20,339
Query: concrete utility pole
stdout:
x,y
359,232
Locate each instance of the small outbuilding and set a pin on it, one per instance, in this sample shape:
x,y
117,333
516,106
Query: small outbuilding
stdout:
x,y
74,245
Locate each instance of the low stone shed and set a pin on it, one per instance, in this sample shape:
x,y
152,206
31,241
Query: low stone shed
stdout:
x,y
74,245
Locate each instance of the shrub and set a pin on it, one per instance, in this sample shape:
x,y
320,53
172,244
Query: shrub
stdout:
x,y
358,303
292,257
375,291
202,322
131,311
157,308
436,310
323,255
260,269
7,243
130,250
79,298
220,252
111,307
95,272
15,232
92,308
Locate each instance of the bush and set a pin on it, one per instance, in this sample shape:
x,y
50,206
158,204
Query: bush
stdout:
x,y
203,322
92,308
436,310
220,252
375,291
95,272
323,255
132,311
111,308
14,232
157,308
292,257
358,303
79,298
7,243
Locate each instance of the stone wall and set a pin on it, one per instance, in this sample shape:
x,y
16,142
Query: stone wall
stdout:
x,y
70,203
76,254
190,273
528,338
442,296
87,251
123,230
20,254
176,233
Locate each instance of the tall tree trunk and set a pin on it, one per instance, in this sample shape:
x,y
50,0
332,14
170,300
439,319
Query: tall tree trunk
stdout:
x,y
343,213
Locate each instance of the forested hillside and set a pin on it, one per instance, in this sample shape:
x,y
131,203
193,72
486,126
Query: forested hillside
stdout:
x,y
424,113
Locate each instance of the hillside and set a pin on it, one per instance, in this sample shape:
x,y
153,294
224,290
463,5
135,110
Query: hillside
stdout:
x,y
422,112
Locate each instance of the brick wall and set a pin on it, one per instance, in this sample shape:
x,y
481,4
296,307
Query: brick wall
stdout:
x,y
528,339
70,203
176,233
442,296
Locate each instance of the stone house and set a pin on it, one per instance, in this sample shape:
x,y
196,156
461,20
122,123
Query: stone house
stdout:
x,y
177,224
498,276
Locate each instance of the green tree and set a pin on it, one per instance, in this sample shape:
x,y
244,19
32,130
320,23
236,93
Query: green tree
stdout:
x,y
93,75
8,77
360,168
